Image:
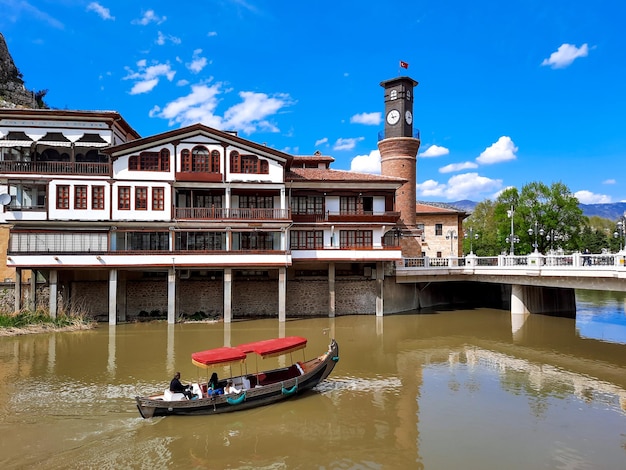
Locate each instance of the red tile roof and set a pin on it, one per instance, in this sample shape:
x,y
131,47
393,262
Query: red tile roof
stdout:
x,y
317,174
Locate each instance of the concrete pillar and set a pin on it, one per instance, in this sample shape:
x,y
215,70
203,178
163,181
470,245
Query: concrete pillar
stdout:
x,y
53,285
380,277
331,290
518,305
171,295
228,295
32,295
113,296
121,297
17,291
282,294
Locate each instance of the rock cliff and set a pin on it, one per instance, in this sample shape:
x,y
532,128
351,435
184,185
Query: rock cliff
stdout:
x,y
13,93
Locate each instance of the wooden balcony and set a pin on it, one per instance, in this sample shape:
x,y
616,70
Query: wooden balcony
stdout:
x,y
219,213
55,168
363,216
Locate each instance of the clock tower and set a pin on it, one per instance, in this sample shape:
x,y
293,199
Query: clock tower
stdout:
x,y
398,156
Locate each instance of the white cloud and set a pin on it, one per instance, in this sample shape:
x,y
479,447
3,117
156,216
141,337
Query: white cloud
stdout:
x,y
501,151
457,167
347,144
587,197
182,82
147,77
464,186
162,38
321,141
212,33
149,17
248,116
435,151
102,12
565,55
370,119
197,63
366,163
610,181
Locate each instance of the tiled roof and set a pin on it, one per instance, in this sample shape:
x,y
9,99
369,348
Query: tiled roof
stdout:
x,y
317,174
422,207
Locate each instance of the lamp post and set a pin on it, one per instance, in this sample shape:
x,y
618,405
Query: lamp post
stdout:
x,y
451,235
620,231
512,238
469,234
537,231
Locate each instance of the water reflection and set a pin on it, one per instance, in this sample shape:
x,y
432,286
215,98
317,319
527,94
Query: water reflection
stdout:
x,y
459,389
601,315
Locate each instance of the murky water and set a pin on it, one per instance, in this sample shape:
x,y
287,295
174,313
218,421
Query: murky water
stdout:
x,y
464,389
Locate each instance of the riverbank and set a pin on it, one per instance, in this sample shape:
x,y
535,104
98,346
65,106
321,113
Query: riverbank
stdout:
x,y
24,323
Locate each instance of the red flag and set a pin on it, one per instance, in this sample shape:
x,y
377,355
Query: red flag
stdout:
x,y
404,65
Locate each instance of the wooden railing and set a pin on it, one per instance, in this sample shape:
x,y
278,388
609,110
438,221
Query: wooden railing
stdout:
x,y
219,213
55,168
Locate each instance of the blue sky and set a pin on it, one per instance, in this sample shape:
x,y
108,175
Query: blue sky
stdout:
x,y
509,92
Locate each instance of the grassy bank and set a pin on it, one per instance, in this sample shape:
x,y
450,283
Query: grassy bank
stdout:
x,y
28,322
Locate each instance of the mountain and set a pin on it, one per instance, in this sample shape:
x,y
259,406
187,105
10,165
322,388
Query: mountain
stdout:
x,y
13,93
612,211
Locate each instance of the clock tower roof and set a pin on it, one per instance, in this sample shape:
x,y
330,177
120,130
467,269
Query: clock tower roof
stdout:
x,y
393,81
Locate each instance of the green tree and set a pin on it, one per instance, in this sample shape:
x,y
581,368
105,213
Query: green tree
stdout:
x,y
549,215
481,225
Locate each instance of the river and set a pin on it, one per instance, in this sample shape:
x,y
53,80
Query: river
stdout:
x,y
454,389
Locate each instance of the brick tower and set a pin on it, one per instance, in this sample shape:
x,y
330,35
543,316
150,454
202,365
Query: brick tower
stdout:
x,y
398,154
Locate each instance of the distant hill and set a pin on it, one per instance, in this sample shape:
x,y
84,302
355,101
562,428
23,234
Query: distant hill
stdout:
x,y
611,211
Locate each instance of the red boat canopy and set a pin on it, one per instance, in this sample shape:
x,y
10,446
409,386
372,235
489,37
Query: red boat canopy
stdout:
x,y
274,347
223,355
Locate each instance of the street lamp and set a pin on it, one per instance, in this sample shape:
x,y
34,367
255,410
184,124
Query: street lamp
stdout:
x,y
620,231
536,232
451,235
552,237
512,237
469,233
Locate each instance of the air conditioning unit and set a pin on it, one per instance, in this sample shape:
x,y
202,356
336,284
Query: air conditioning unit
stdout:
x,y
184,273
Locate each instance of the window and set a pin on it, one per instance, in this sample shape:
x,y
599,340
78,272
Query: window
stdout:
x,y
348,204
141,198
355,238
63,196
150,161
123,196
249,164
393,94
438,229
439,254
142,241
97,197
307,205
252,202
254,240
307,239
200,241
80,197
158,199
199,160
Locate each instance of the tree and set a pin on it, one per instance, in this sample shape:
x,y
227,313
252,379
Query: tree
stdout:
x,y
482,223
548,215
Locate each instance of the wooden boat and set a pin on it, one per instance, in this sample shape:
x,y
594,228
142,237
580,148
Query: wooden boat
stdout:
x,y
256,389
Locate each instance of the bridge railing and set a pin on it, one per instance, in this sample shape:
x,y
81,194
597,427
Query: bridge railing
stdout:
x,y
532,260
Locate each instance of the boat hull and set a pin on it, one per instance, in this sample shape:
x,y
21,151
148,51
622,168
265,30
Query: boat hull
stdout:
x,y
314,372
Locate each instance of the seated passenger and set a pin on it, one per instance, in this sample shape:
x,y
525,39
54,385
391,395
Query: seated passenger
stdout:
x,y
213,381
230,388
177,387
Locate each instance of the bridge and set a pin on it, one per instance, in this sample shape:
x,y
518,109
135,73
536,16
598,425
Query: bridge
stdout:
x,y
540,283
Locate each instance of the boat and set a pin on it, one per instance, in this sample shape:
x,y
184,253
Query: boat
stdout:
x,y
255,389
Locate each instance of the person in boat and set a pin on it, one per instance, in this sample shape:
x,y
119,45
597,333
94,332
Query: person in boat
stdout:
x,y
213,387
177,387
230,388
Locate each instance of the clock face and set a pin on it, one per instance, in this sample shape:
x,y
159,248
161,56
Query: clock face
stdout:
x,y
409,117
393,116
